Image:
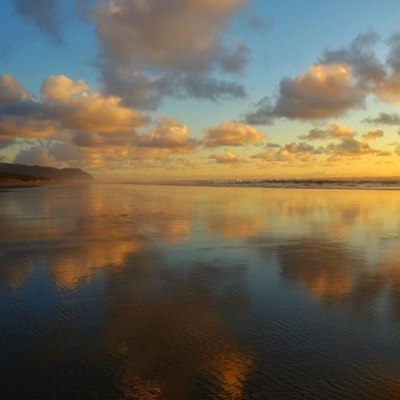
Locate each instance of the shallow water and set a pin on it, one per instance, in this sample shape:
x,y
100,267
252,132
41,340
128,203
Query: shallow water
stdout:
x,y
179,293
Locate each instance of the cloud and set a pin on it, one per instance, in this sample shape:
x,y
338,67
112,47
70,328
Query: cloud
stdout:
x,y
349,147
202,87
172,34
44,13
323,91
56,153
79,126
231,133
236,61
305,153
258,23
75,124
6,143
61,87
334,131
16,127
37,155
134,87
11,90
379,78
372,135
272,145
388,89
227,158
262,113
302,152
66,106
169,134
338,82
154,49
98,140
383,153
384,119
94,113
361,58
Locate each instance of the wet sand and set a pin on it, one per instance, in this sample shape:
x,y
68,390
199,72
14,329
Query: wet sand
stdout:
x,y
113,291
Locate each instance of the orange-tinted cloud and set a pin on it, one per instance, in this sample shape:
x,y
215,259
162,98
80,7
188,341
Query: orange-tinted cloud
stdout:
x,y
231,133
227,158
168,134
11,90
66,106
323,91
334,131
302,152
372,135
61,87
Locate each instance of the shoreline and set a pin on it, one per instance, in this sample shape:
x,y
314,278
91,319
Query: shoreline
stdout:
x,y
390,185
329,185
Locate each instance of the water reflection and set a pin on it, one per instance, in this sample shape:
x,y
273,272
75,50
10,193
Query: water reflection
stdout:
x,y
171,335
145,292
324,268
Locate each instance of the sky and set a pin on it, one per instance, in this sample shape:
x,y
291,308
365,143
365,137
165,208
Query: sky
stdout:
x,y
202,89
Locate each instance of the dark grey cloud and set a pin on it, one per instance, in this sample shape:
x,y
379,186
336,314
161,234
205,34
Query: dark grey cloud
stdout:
x,y
384,119
94,140
237,60
139,90
272,145
258,23
394,56
135,88
154,49
349,147
262,113
203,87
360,55
44,13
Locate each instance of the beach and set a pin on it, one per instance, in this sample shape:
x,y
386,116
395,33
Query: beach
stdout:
x,y
129,292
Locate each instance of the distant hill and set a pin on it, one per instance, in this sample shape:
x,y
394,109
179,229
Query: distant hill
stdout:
x,y
36,173
5,177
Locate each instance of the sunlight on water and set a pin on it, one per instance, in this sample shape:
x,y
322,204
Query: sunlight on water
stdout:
x,y
179,293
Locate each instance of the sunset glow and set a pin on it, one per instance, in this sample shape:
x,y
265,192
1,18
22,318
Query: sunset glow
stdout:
x,y
179,89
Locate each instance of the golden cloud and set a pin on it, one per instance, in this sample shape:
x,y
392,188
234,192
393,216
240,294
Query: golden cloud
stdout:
x,y
333,131
230,133
227,158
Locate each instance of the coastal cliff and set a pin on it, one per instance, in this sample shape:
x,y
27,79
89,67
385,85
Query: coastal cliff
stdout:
x,y
14,173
